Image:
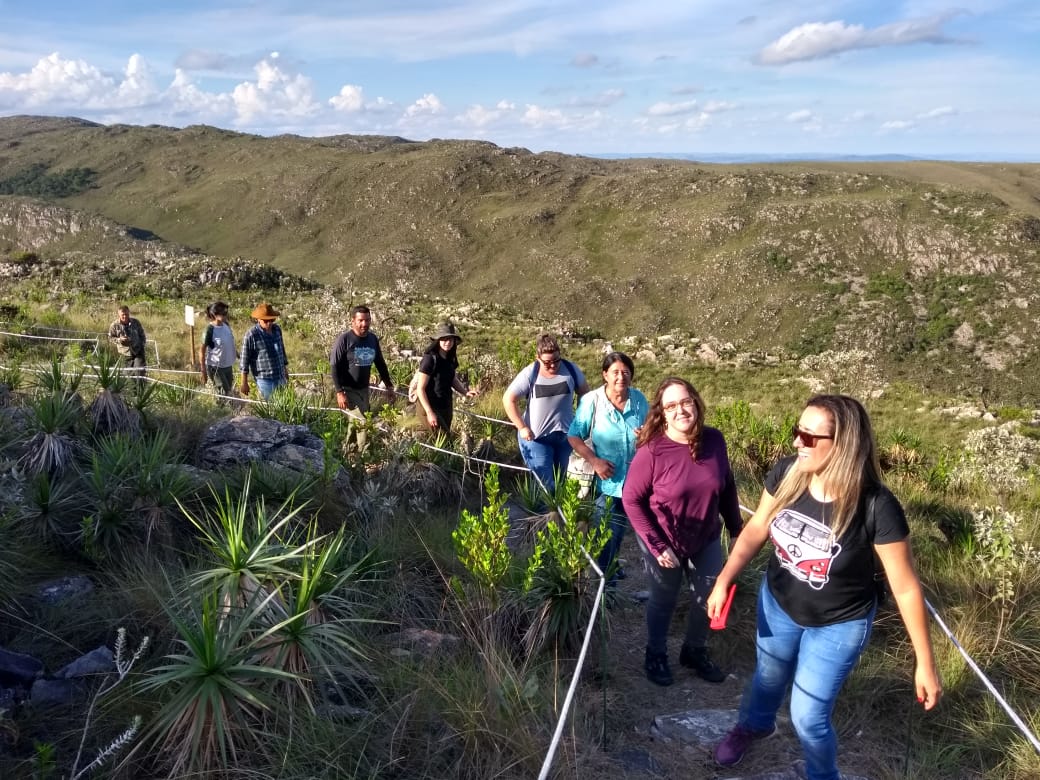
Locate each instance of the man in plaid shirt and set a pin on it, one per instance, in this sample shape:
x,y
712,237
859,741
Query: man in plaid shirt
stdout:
x,y
263,353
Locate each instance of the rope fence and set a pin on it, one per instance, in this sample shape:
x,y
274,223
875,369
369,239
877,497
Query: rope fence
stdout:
x,y
598,604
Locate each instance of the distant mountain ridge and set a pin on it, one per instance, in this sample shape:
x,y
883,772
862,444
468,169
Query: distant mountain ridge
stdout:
x,y
730,158
933,268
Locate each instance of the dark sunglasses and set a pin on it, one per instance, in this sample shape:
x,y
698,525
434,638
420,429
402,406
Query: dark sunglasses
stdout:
x,y
808,439
551,363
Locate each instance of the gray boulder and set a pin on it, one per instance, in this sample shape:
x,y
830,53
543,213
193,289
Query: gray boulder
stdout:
x,y
18,668
97,661
53,692
246,439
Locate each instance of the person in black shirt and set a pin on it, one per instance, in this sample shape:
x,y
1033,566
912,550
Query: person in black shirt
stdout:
x,y
437,378
353,355
827,513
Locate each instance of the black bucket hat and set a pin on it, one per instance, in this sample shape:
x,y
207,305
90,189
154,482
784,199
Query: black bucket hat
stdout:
x,y
445,330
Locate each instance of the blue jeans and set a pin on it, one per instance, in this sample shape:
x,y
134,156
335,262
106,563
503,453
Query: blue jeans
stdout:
x,y
267,386
816,660
618,521
546,456
701,571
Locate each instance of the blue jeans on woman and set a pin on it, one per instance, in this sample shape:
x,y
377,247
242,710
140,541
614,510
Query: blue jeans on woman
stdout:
x,y
816,660
700,571
546,456
616,523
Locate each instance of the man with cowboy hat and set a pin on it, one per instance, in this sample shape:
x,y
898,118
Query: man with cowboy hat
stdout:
x,y
355,352
437,377
263,353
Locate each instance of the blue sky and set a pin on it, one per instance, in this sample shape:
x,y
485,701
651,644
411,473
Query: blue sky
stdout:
x,y
926,77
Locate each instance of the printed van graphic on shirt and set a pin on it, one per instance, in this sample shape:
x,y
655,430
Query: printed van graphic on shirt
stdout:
x,y
364,356
804,547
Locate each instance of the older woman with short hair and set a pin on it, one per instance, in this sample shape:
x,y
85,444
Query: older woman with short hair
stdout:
x,y
610,417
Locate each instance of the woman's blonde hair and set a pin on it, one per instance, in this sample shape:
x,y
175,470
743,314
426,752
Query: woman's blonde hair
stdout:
x,y
852,470
655,423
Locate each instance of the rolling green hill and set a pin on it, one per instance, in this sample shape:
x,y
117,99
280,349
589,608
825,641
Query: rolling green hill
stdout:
x,y
934,268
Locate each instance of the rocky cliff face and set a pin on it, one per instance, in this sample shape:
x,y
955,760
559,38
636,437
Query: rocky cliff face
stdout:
x,y
40,238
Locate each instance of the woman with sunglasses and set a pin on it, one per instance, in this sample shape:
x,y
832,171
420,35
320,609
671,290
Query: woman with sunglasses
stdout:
x,y
677,486
828,513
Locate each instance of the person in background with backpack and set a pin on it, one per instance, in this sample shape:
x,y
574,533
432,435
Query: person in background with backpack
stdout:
x,y
828,514
610,417
437,377
217,352
550,386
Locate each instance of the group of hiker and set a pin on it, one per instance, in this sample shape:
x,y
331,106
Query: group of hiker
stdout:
x,y
826,510
656,465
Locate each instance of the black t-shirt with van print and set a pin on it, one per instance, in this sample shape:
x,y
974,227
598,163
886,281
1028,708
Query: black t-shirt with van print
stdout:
x,y
819,580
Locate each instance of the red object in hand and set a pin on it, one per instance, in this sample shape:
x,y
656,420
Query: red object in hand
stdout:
x,y
719,623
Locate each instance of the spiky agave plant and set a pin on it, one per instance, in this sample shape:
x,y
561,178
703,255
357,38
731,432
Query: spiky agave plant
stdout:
x,y
109,412
253,547
52,447
216,694
156,484
51,508
315,617
57,381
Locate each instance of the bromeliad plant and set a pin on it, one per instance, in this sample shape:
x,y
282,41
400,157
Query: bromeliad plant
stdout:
x,y
52,447
271,621
109,412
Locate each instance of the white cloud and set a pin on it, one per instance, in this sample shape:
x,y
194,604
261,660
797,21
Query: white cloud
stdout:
x,y
798,117
479,117
663,108
183,98
857,116
823,39
351,98
536,116
897,124
718,106
427,104
274,94
138,86
935,113
54,81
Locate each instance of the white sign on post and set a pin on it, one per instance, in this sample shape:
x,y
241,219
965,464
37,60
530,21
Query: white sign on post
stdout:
x,y
189,316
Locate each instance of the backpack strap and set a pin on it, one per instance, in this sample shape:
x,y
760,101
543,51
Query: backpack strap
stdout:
x,y
566,365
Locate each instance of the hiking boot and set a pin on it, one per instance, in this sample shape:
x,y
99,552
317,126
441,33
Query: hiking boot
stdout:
x,y
697,658
735,745
657,670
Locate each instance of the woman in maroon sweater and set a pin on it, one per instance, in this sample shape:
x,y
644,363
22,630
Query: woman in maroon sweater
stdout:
x,y
677,486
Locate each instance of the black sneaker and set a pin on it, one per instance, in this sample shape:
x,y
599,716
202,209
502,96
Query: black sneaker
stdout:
x,y
657,670
697,658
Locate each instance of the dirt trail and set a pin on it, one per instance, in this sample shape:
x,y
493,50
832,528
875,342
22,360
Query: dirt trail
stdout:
x,y
637,748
